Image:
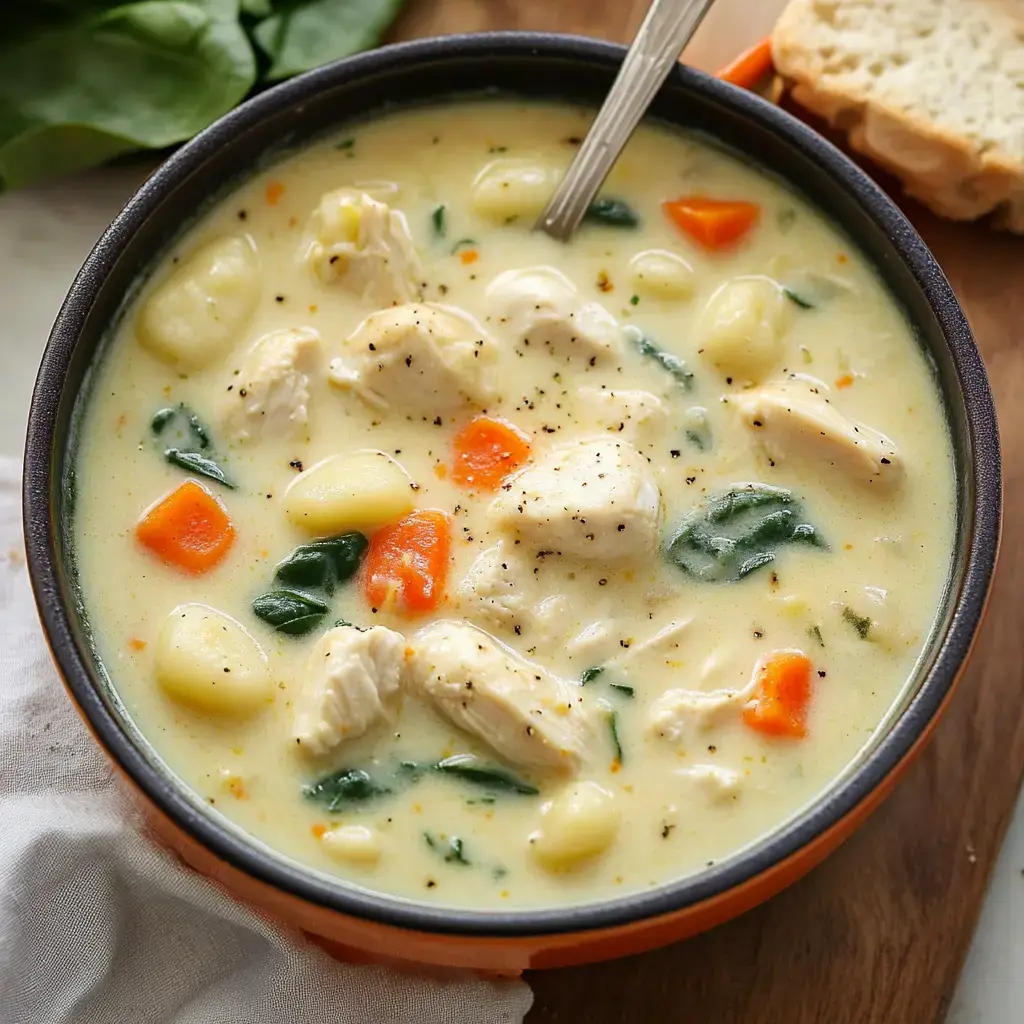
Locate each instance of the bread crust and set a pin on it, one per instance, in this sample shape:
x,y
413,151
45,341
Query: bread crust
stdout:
x,y
944,170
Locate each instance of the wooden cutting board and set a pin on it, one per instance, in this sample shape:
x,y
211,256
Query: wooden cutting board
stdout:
x,y
878,933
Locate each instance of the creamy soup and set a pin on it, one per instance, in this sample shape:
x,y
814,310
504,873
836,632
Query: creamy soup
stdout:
x,y
487,571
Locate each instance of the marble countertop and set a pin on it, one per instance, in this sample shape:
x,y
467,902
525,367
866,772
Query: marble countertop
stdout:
x,y
45,234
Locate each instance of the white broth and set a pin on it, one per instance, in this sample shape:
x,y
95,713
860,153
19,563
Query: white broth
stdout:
x,y
662,604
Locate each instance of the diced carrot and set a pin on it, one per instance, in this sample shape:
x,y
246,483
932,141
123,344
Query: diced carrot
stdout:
x,y
486,451
749,67
136,644
779,707
845,381
468,256
318,831
188,528
407,562
714,223
274,192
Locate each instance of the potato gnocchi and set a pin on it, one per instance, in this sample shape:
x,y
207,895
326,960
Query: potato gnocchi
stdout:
x,y
488,571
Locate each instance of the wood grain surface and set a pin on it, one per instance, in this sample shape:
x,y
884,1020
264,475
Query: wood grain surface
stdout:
x,y
878,933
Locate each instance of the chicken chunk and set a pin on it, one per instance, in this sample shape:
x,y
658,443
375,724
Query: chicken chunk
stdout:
x,y
540,308
530,716
423,358
594,498
676,714
269,393
793,417
364,246
636,415
352,677
488,592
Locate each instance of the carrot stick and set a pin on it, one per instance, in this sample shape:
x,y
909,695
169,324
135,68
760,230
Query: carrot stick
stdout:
x,y
749,67
188,528
714,223
779,707
486,451
407,562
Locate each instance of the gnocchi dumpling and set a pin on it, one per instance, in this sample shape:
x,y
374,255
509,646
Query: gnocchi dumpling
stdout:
x,y
195,315
269,393
359,490
575,827
513,187
424,358
354,845
742,327
661,274
209,662
364,246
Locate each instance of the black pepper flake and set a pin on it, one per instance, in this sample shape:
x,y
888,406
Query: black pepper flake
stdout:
x,y
821,673
666,830
620,527
885,462
518,629
431,883
279,298
296,464
242,214
437,421
758,633
675,453
243,392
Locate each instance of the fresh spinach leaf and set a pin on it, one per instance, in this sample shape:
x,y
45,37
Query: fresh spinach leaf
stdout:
x,y
99,81
196,463
626,691
467,768
861,623
613,732
453,852
437,219
190,429
666,360
733,533
613,213
290,611
797,299
590,674
303,34
323,564
345,788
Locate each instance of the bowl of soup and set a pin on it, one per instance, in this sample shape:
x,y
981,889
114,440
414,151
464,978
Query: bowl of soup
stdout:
x,y
471,598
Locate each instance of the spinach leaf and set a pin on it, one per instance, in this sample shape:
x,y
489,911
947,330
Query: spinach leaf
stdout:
x,y
344,788
590,674
626,691
614,213
290,611
462,243
196,463
666,360
814,632
307,33
322,564
467,768
797,299
861,623
454,851
698,433
437,219
96,82
613,731
190,428
737,531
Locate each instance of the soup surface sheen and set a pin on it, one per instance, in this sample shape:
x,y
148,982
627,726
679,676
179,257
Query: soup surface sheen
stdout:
x,y
653,657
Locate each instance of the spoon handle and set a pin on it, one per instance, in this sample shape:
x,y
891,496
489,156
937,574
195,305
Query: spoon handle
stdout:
x,y
665,31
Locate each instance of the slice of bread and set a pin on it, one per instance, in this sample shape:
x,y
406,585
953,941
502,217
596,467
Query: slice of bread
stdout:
x,y
931,89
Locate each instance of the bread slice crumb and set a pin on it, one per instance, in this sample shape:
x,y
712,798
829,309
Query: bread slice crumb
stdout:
x,y
933,90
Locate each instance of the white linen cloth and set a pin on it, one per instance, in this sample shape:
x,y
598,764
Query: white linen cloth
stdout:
x,y
100,926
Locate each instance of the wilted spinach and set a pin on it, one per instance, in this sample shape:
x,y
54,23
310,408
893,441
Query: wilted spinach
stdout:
x,y
322,564
290,611
344,788
469,769
666,360
613,213
453,852
192,443
736,531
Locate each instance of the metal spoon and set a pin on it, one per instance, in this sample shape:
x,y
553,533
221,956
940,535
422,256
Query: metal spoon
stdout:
x,y
668,27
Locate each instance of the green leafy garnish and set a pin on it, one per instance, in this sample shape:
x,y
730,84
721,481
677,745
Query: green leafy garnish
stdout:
x,y
666,360
613,731
467,768
462,243
860,623
453,852
626,691
698,433
437,219
343,788
734,532
588,675
290,611
323,564
190,428
797,299
815,634
614,213
196,463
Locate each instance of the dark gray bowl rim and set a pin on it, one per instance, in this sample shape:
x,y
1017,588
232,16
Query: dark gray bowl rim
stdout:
x,y
43,460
